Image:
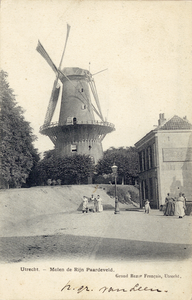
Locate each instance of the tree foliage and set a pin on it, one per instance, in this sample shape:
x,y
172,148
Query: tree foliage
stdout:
x,y
17,151
70,170
126,160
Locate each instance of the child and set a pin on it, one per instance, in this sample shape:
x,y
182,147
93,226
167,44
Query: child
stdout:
x,y
147,206
85,204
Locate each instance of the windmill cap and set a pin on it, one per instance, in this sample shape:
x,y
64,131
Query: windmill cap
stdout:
x,y
75,71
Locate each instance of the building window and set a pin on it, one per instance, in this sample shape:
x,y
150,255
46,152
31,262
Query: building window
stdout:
x,y
143,160
143,189
146,190
149,158
156,195
154,156
140,161
146,159
151,188
74,148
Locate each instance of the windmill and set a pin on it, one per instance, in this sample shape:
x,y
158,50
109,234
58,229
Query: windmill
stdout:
x,y
77,131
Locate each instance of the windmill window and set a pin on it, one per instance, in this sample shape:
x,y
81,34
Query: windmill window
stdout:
x,y
73,148
69,120
83,106
82,90
74,121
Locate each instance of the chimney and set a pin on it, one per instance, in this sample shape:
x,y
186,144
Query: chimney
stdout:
x,y
161,120
185,118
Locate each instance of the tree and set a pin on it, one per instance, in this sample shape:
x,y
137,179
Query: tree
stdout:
x,y
17,151
126,160
70,170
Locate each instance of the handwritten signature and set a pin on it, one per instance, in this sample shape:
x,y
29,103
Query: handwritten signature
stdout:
x,y
135,288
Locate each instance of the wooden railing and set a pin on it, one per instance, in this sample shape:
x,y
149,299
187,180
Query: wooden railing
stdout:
x,y
56,124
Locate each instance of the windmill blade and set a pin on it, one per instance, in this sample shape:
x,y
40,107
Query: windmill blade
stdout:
x,y
97,98
96,111
46,56
99,72
94,92
52,103
55,91
68,29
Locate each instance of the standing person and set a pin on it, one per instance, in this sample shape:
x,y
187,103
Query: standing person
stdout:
x,y
100,205
185,202
49,181
166,204
170,206
95,205
85,204
91,201
179,206
147,206
53,182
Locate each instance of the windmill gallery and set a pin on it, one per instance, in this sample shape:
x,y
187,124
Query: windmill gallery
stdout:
x,y
77,131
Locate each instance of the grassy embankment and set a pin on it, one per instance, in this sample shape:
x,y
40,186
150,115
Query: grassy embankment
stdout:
x,y
17,205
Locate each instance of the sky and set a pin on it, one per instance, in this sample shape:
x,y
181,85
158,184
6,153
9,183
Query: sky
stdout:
x,y
146,47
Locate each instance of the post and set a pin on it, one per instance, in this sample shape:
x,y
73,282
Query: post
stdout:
x,y
115,186
117,211
114,169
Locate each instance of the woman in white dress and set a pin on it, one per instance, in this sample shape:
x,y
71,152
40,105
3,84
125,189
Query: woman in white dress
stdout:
x,y
99,203
85,204
180,206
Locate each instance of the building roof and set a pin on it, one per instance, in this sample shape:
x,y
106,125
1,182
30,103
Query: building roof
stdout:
x,y
175,123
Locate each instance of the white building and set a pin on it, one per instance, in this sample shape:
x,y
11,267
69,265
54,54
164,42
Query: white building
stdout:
x,y
165,158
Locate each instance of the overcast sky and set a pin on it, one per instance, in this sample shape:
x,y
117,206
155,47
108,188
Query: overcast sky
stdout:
x,y
146,47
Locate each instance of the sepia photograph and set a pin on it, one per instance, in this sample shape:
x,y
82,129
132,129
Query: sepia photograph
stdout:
x,y
96,150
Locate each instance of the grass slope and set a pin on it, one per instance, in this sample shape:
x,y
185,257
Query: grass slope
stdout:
x,y
23,205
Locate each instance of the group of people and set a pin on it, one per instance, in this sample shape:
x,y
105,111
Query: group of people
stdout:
x,y
175,206
53,182
93,204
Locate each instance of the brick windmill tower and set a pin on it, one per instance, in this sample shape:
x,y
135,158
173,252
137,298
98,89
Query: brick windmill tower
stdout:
x,y
77,131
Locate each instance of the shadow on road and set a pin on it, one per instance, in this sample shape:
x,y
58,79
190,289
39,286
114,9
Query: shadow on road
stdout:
x,y
46,247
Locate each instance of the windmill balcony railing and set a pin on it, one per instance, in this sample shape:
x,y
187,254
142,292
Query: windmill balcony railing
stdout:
x,y
55,124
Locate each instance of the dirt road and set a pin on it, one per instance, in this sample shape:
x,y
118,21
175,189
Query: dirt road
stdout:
x,y
130,235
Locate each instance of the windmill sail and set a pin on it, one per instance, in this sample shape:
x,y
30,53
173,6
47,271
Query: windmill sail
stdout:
x,y
55,91
68,29
46,56
94,91
52,103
